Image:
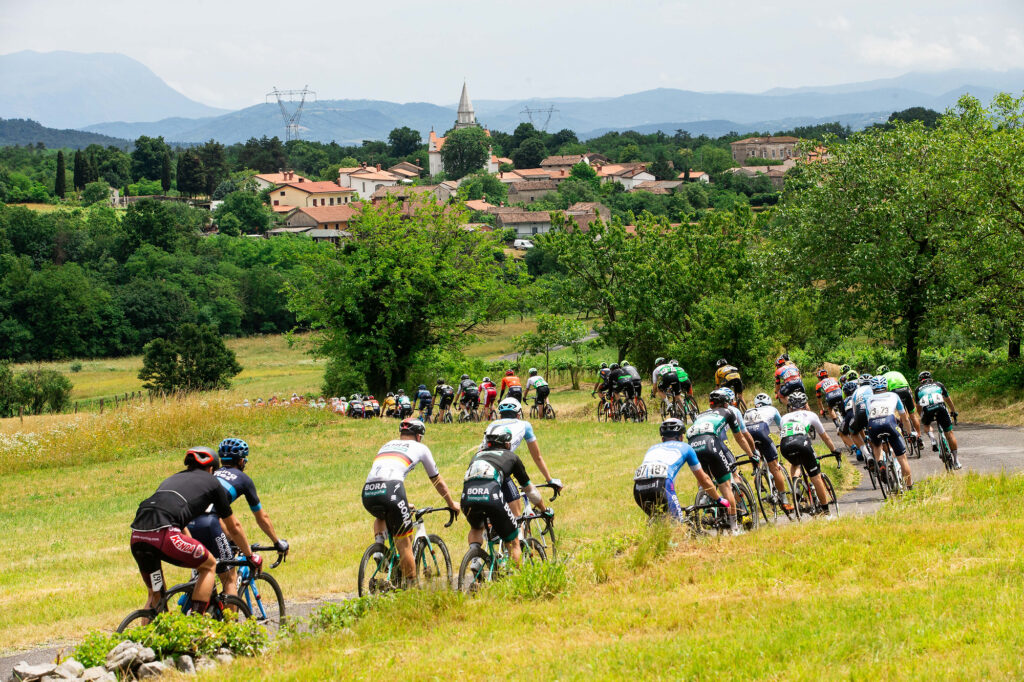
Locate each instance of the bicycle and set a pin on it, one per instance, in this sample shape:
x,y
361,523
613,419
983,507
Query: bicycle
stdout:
x,y
945,452
221,605
444,414
379,570
705,516
467,414
913,450
769,499
670,409
265,610
549,411
480,566
806,496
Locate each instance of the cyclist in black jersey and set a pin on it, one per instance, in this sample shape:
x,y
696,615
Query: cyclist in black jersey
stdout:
x,y
444,395
157,534
469,394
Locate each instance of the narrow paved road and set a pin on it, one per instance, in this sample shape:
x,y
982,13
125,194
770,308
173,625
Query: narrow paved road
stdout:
x,y
985,449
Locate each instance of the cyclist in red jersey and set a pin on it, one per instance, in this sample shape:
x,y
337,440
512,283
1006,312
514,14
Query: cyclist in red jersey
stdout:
x,y
828,389
488,392
787,378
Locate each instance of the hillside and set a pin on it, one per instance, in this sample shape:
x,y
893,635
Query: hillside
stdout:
x,y
20,131
73,89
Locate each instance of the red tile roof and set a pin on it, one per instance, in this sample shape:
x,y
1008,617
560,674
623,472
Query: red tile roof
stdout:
x,y
332,214
317,187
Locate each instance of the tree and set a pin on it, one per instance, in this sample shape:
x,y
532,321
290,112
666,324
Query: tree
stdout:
x,y
95,192
191,179
59,186
148,157
249,213
400,289
530,153
267,155
661,169
215,166
629,152
464,151
562,138
523,132
404,141
78,179
483,185
43,390
196,359
165,172
149,221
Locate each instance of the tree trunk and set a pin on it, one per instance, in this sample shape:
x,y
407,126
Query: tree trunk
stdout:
x,y
913,330
1013,352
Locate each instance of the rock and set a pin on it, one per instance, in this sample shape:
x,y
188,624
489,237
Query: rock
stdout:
x,y
124,655
224,651
147,655
224,659
69,669
23,672
107,677
204,663
151,669
93,673
186,665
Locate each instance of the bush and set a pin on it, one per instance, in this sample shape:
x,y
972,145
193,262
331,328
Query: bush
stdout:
x,y
543,580
94,648
76,367
340,378
195,360
35,391
334,617
95,192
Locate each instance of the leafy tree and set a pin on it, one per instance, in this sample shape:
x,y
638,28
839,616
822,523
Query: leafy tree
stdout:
x,y
95,192
629,152
149,221
481,185
713,160
562,138
59,186
929,117
267,155
399,289
530,153
464,151
43,390
583,171
109,164
165,173
247,209
148,157
661,169
196,359
404,141
523,132
191,178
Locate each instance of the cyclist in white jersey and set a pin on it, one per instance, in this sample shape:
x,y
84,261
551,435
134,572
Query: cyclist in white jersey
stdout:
x,y
509,411
884,408
798,429
760,419
384,491
540,387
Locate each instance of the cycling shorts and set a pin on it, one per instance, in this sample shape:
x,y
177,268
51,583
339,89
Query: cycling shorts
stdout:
x,y
735,384
638,386
489,396
470,399
846,428
516,392
444,401
799,450
405,410
792,387
150,547
667,381
714,456
938,414
860,419
835,402
483,501
657,496
386,500
906,398
625,388
425,403
761,433
886,429
207,530
542,395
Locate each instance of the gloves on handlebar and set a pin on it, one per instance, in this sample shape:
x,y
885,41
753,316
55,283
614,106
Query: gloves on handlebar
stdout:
x,y
549,513
556,484
256,561
281,546
722,502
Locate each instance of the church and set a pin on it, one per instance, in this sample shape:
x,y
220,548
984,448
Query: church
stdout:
x,y
466,118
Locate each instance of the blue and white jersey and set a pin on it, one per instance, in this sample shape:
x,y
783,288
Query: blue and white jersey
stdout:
x,y
521,430
763,415
862,396
884,405
739,417
664,460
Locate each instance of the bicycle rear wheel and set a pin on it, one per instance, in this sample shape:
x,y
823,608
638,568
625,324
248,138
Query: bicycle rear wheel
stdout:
x,y
136,619
375,571
747,508
834,503
602,412
944,452
433,563
264,598
230,607
641,407
475,570
533,552
549,412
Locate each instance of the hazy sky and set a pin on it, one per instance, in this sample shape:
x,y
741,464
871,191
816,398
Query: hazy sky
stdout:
x,y
229,54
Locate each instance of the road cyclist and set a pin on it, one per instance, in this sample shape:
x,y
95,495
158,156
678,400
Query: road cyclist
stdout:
x,y
539,386
937,406
798,429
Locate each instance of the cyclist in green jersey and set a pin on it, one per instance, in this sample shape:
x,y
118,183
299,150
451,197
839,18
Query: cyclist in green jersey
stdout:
x,y
847,373
899,385
937,406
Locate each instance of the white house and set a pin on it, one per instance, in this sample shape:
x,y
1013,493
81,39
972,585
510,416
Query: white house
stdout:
x,y
365,181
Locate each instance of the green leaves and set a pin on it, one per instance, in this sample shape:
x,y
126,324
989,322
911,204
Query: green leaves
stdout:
x,y
195,360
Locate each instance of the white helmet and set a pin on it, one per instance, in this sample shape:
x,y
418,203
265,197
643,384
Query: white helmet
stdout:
x,y
762,400
510,405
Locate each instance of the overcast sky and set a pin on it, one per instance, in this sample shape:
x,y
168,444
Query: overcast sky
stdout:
x,y
229,54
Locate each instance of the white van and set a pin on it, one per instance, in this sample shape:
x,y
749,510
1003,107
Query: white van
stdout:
x,y
522,244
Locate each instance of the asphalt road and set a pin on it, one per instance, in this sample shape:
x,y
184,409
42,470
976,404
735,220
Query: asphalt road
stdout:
x,y
983,448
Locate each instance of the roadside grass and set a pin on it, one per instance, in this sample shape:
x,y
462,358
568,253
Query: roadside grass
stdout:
x,y
70,496
925,589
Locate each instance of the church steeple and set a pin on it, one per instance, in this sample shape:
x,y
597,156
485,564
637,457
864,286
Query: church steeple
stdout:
x,y
466,117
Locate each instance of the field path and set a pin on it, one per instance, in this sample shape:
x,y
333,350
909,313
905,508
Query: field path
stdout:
x,y
985,449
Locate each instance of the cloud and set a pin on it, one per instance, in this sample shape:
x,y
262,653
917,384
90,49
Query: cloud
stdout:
x,y
933,48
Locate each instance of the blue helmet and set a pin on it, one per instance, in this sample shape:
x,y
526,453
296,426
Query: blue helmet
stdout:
x,y
729,393
849,388
422,387
233,450
879,384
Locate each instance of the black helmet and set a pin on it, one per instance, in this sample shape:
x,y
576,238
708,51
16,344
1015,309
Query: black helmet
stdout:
x,y
463,377
625,363
498,434
718,398
614,366
924,376
604,365
721,363
413,426
672,428
201,457
440,381
659,361
844,369
797,400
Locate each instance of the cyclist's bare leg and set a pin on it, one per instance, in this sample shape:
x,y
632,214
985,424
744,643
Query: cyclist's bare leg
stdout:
x,y
726,491
516,551
780,479
905,466
380,529
476,536
820,490
516,506
229,581
405,558
207,577
952,440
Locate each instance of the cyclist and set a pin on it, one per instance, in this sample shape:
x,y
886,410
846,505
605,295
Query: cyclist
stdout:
x,y
384,491
157,534
798,429
654,488
341,406
728,376
852,439
424,399
707,437
510,413
234,455
787,378
445,396
537,383
899,385
404,404
665,378
510,382
685,386
828,389
488,393
602,386
731,404
638,382
390,406
620,381
484,500
759,421
847,373
371,407
468,394
355,406
936,406
884,408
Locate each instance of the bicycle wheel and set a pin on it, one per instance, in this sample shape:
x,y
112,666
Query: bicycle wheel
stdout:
x,y
549,412
641,407
533,412
447,417
533,552
602,412
767,498
374,571
944,453
475,570
230,607
804,496
747,509
741,405
834,501
882,477
629,412
179,597
433,563
264,598
136,619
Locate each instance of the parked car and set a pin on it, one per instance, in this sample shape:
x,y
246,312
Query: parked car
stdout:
x,y
522,244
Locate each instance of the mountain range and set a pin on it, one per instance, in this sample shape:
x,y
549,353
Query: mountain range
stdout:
x,y
114,95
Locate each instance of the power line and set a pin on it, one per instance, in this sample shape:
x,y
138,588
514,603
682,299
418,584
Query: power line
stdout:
x,y
547,119
291,119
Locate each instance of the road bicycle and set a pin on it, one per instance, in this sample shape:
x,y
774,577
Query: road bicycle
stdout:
x,y
706,517
670,409
806,495
913,449
480,566
770,500
467,413
379,570
549,411
945,452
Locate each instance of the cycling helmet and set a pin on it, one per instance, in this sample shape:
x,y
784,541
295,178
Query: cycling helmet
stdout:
x,y
604,365
401,391
797,400
625,363
354,396
718,398
721,363
614,366
730,395
463,377
672,428
822,374
440,381
849,388
391,394
882,369
879,384
674,363
659,361
422,387
487,380
233,449
498,434
413,426
762,400
845,368
201,457
509,372
924,376
533,371
864,380
509,405
370,397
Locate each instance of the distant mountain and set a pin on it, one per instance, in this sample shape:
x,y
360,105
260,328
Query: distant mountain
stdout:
x,y
19,131
74,89
930,83
718,128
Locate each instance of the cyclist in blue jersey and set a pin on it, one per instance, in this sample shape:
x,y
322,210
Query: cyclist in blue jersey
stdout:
x,y
937,406
234,455
884,408
424,400
654,488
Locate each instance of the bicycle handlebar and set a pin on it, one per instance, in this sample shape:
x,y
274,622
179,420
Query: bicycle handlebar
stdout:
x,y
452,514
281,556
837,456
558,491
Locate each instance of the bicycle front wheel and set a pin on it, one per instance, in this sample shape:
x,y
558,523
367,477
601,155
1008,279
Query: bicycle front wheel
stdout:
x,y
475,570
533,552
137,619
374,570
747,510
433,563
834,501
767,496
264,598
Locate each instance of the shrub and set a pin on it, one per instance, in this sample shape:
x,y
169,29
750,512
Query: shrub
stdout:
x,y
543,580
94,648
195,360
95,192
43,390
76,367
334,617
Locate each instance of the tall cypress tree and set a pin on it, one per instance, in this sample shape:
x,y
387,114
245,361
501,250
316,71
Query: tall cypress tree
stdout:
x,y
59,187
165,172
79,178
